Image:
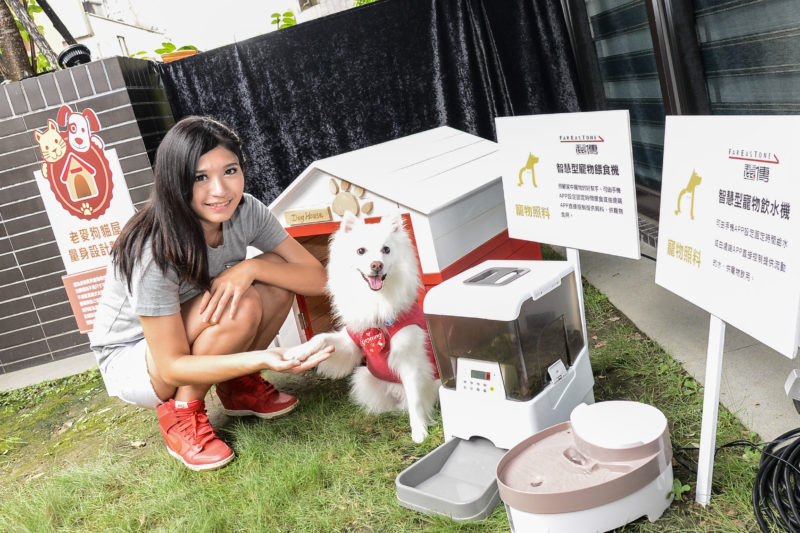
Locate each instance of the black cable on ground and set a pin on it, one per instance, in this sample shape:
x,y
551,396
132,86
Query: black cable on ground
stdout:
x,y
776,493
776,490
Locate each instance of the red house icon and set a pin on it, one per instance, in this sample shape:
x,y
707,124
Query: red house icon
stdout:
x,y
79,175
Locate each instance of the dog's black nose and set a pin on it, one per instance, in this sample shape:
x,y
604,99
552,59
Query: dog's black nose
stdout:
x,y
376,266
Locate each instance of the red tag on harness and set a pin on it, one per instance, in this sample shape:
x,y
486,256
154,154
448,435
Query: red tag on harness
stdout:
x,y
373,341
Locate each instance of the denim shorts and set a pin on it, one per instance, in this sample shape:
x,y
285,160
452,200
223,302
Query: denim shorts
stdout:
x,y
125,374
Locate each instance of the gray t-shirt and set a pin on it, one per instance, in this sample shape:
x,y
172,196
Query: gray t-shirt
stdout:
x,y
154,293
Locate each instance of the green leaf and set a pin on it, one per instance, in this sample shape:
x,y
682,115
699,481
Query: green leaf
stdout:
x,y
42,63
678,489
22,31
187,47
276,15
289,13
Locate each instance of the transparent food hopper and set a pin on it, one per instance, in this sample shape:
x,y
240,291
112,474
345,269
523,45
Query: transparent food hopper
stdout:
x,y
524,319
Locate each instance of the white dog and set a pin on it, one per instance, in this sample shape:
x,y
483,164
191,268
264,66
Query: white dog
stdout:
x,y
373,280
80,127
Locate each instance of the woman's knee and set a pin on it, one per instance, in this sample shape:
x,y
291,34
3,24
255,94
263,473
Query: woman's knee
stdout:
x,y
249,310
247,317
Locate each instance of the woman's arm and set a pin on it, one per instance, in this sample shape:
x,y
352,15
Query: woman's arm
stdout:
x,y
169,348
302,273
288,266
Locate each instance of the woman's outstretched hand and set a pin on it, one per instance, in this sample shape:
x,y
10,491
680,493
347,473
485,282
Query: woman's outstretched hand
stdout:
x,y
273,359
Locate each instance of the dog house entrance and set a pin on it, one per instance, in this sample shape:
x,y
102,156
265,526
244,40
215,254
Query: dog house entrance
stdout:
x,y
312,314
316,310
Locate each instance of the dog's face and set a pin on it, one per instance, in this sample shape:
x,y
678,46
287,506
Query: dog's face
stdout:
x,y
373,271
79,132
369,251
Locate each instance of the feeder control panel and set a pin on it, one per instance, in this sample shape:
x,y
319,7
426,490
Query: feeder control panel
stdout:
x,y
479,377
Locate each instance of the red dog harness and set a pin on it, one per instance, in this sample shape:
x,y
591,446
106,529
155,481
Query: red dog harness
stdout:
x,y
376,343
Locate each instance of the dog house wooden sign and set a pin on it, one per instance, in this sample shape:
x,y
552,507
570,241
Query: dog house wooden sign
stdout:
x,y
446,183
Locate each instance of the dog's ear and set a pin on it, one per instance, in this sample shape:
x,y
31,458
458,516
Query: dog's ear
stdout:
x,y
349,222
91,117
396,221
63,114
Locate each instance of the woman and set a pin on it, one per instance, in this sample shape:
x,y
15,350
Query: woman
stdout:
x,y
179,286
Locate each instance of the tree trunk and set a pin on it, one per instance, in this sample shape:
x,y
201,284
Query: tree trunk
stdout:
x,y
15,57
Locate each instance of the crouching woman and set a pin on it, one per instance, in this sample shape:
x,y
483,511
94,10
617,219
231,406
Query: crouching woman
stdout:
x,y
183,309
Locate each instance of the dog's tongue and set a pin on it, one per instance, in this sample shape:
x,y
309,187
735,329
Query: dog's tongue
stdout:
x,y
375,282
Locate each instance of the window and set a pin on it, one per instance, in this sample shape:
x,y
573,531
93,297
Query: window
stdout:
x,y
94,7
305,4
751,55
724,57
629,73
123,46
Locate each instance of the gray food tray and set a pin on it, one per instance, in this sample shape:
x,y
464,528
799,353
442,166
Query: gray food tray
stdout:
x,y
457,479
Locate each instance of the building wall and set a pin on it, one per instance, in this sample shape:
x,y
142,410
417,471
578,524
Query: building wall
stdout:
x,y
104,33
36,321
104,40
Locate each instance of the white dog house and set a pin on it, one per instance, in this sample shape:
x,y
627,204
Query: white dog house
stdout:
x,y
447,184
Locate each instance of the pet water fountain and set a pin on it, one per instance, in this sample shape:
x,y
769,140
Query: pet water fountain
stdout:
x,y
609,465
509,341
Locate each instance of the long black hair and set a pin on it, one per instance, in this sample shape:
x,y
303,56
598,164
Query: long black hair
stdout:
x,y
167,222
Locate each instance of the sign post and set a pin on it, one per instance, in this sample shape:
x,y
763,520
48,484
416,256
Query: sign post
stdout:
x,y
728,239
708,431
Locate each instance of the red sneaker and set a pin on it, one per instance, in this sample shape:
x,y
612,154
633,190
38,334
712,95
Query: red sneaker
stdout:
x,y
190,437
253,395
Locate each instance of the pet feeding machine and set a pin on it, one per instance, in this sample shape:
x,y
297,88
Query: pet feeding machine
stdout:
x,y
609,465
509,341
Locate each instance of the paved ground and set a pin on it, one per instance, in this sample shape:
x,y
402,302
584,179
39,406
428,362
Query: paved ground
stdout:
x,y
752,377
54,370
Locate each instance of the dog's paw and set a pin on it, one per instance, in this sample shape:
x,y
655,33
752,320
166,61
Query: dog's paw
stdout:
x,y
418,434
297,353
303,351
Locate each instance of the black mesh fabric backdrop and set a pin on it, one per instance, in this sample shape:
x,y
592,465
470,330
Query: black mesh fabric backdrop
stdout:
x,y
376,73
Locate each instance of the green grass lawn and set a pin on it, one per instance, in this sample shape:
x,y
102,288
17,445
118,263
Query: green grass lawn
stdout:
x,y
73,459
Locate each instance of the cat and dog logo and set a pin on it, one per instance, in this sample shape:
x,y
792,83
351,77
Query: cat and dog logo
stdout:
x,y
75,163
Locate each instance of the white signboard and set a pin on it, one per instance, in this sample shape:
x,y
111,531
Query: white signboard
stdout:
x,y
729,232
568,180
85,241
